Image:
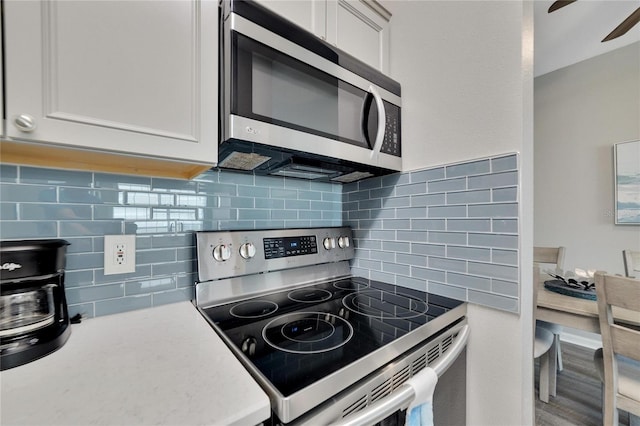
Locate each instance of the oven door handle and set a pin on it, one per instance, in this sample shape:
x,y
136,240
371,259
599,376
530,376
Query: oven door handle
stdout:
x,y
452,354
401,398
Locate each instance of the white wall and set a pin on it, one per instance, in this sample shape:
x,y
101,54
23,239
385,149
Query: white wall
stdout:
x,y
456,62
580,112
467,86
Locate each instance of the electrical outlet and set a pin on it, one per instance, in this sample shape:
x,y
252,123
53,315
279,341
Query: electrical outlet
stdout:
x,y
121,251
119,254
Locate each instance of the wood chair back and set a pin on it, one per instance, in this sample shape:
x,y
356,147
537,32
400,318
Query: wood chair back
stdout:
x,y
552,255
631,260
617,340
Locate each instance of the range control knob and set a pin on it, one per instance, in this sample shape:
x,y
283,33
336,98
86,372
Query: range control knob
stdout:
x,y
249,346
247,250
344,242
329,243
222,252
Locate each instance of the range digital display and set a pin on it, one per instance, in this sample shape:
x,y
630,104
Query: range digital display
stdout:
x,y
289,246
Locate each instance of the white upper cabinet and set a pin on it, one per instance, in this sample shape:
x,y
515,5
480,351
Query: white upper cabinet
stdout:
x,y
1,91
308,14
132,77
359,27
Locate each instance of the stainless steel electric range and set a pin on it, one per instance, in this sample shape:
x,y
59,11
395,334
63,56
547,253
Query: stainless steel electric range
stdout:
x,y
325,346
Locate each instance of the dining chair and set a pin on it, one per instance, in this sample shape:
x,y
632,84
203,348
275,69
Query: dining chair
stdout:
x,y
618,361
543,349
631,260
551,256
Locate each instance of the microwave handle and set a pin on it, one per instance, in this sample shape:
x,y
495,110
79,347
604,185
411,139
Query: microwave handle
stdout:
x,y
382,121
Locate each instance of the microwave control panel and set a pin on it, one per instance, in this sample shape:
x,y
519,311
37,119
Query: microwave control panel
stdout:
x,y
391,141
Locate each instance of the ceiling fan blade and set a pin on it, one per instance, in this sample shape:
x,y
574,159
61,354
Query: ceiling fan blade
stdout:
x,y
558,4
624,26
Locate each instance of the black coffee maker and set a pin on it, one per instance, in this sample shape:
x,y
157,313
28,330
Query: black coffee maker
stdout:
x,y
34,320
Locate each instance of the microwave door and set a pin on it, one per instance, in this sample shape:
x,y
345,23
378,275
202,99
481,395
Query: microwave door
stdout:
x,y
272,88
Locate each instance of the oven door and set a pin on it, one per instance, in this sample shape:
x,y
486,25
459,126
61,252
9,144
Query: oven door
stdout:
x,y
279,94
383,398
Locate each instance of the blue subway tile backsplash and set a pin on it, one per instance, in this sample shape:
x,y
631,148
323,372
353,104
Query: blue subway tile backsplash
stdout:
x,y
82,207
451,230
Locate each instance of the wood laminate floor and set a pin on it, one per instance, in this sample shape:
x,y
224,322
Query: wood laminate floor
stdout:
x,y
578,392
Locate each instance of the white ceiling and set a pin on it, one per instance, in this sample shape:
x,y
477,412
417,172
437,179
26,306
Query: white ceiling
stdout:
x,y
574,33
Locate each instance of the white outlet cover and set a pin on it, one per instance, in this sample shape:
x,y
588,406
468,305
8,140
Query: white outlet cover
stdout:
x,y
127,263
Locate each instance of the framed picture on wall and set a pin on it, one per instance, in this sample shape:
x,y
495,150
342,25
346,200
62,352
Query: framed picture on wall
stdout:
x,y
627,179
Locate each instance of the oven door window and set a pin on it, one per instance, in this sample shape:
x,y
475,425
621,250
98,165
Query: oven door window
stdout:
x,y
275,88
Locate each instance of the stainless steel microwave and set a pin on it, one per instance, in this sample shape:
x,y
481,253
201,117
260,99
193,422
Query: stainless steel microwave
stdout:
x,y
294,105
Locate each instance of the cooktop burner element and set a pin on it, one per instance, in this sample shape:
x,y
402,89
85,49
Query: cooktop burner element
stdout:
x,y
254,309
350,285
307,332
309,295
384,305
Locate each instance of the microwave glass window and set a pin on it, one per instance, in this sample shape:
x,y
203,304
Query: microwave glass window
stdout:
x,y
287,94
350,101
278,89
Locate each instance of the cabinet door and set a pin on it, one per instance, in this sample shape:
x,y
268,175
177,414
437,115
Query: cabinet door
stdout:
x,y
308,14
136,77
1,85
360,28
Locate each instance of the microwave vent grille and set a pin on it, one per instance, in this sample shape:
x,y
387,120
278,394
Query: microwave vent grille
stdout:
x,y
243,160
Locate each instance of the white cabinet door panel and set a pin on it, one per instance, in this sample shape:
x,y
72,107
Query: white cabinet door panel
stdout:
x,y
2,122
87,83
360,31
136,77
308,14
355,26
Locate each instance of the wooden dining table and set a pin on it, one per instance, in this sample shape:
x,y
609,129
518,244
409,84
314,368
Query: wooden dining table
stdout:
x,y
575,312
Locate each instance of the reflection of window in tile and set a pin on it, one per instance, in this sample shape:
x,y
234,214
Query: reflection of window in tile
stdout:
x,y
183,214
159,284
160,214
192,226
167,200
131,213
214,201
153,226
133,187
174,186
175,214
191,200
79,195
140,198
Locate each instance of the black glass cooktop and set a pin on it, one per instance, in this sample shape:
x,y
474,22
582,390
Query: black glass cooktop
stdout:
x,y
297,337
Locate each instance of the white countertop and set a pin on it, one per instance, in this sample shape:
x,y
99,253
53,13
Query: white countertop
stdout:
x,y
163,365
